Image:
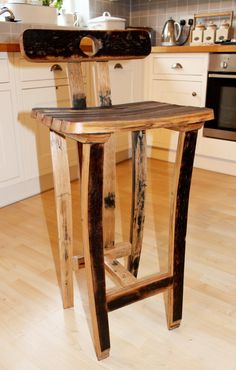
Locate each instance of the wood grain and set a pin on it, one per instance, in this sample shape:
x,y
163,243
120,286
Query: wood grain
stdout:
x,y
64,214
92,231
178,223
78,96
139,183
123,117
103,93
143,288
60,45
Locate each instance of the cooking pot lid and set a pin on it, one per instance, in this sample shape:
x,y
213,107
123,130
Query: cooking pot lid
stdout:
x,y
106,17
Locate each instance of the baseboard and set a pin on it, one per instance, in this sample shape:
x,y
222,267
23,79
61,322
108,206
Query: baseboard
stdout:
x,y
28,188
205,162
123,155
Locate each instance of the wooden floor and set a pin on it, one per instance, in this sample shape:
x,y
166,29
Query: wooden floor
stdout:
x,y
37,334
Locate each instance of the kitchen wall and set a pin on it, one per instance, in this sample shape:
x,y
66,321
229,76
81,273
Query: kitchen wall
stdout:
x,y
154,13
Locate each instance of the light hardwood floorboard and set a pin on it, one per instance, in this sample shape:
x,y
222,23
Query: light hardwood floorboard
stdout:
x,y
37,334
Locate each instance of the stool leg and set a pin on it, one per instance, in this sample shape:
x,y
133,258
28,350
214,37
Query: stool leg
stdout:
x,y
178,224
109,193
62,190
92,231
139,169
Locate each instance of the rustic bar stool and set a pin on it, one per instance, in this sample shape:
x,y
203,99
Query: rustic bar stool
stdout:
x,y
93,129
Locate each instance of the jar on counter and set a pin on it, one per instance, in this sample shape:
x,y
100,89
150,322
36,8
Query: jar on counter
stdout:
x,y
222,33
197,33
209,35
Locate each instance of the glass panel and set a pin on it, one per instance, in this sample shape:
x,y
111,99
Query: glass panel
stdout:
x,y
227,108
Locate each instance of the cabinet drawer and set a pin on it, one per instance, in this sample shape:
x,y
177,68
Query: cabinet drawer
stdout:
x,y
178,65
4,70
43,71
180,92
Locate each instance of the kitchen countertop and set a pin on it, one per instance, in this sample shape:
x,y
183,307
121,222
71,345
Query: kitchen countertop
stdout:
x,y
195,49
14,47
10,47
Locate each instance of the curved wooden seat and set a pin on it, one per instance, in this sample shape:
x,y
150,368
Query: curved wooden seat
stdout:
x,y
123,117
93,130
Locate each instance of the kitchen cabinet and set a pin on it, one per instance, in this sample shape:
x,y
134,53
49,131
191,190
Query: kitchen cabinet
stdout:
x,y
181,78
175,79
25,150
25,157
10,163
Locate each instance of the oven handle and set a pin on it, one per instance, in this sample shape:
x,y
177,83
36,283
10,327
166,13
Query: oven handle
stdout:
x,y
214,75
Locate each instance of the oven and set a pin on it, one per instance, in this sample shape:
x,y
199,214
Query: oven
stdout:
x,y
221,96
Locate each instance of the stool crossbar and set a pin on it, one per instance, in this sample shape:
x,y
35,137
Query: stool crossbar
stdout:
x,y
93,129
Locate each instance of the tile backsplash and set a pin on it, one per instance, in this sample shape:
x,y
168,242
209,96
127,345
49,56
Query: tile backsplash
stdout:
x,y
154,13
120,8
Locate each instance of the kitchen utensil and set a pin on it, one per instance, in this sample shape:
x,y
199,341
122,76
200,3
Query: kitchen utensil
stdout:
x,y
170,33
106,22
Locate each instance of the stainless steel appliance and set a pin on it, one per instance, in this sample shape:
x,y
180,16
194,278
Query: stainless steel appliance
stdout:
x,y
175,33
170,33
221,96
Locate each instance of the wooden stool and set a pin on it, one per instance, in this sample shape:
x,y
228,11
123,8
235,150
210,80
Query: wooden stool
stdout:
x,y
93,129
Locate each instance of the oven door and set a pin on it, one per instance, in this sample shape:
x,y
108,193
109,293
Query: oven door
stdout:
x,y
221,96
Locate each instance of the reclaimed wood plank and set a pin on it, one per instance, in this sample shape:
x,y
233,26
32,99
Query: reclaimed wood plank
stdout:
x,y
64,45
92,237
139,180
143,288
119,274
122,249
77,95
109,189
62,190
178,224
124,117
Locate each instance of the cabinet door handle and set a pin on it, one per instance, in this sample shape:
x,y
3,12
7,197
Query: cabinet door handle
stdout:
x,y
194,93
176,66
118,66
55,67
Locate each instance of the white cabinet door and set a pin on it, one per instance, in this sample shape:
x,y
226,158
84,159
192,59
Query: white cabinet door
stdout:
x,y
35,136
127,87
178,92
9,158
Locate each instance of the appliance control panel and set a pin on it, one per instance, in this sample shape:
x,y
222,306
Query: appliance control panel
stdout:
x,y
222,63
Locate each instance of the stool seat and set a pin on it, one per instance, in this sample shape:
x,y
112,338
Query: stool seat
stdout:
x,y
123,117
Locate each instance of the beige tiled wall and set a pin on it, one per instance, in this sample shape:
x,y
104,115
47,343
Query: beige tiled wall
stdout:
x,y
154,13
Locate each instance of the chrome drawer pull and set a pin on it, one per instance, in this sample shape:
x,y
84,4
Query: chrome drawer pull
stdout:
x,y
55,67
176,66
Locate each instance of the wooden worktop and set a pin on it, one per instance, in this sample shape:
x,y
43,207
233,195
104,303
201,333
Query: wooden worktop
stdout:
x,y
10,47
14,47
195,49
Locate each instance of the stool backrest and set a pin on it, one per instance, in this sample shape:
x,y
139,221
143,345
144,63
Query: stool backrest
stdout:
x,y
74,47
67,45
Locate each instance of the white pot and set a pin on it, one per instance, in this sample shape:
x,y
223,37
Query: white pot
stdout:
x,y
107,22
28,13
